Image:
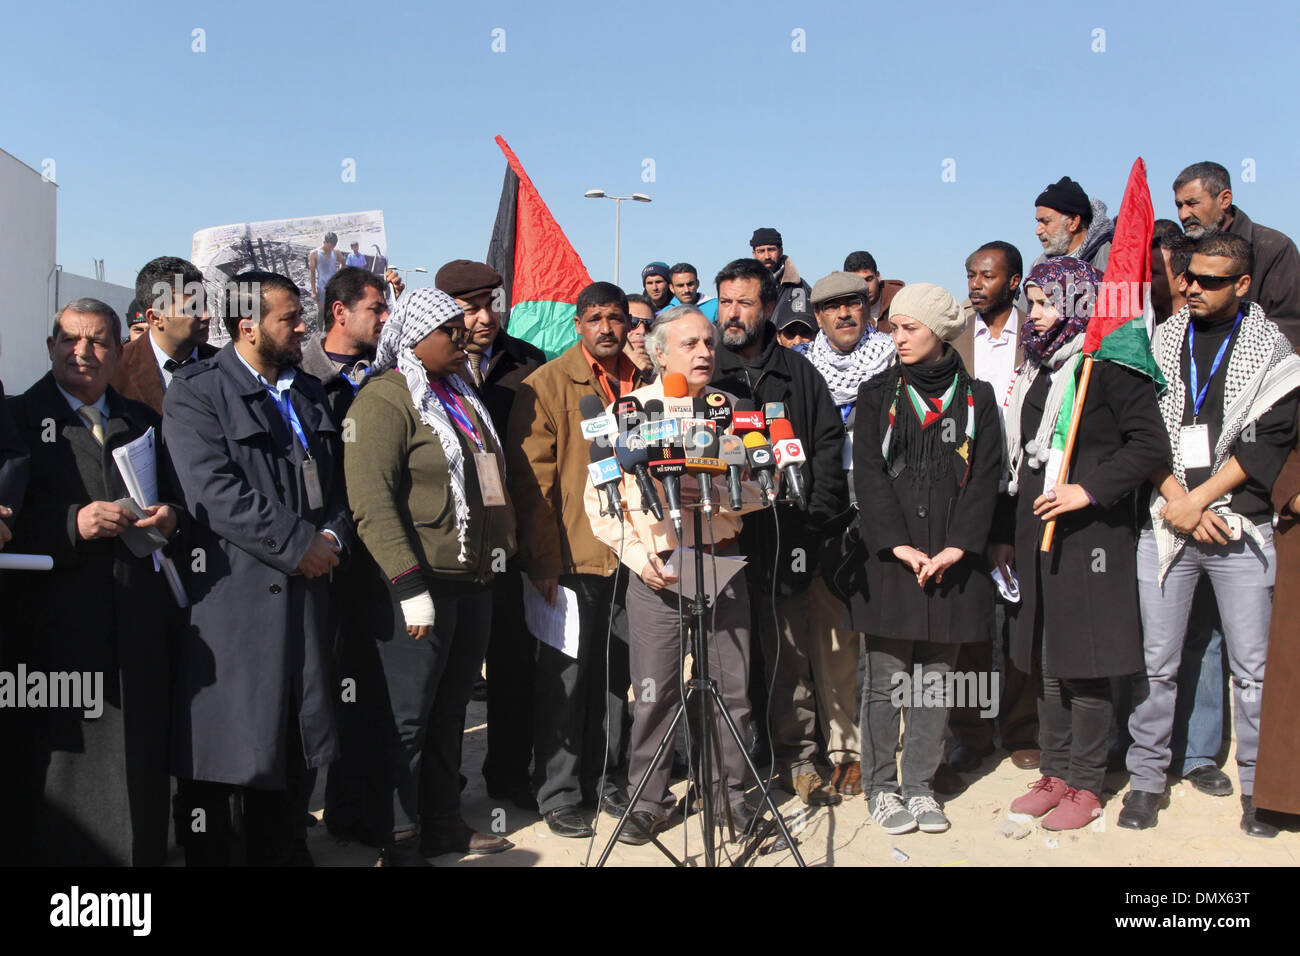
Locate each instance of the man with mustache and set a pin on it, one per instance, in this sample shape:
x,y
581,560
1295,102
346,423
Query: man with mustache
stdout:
x,y
547,458
880,292
1071,224
1203,195
768,248
753,365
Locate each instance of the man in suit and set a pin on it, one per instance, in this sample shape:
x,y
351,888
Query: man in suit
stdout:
x,y
87,788
256,456
174,303
497,364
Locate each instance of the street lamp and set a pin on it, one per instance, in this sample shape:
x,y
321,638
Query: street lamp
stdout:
x,y
405,272
618,210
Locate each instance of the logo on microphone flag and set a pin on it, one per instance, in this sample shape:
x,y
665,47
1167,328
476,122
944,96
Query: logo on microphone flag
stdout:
x,y
542,271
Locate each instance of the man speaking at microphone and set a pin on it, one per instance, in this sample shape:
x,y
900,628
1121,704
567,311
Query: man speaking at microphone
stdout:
x,y
683,343
754,366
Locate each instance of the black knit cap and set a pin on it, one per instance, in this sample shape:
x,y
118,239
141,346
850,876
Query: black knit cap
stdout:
x,y
1066,196
765,236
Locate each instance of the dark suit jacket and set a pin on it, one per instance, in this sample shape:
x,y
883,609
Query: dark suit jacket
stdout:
x,y
512,361
258,639
138,376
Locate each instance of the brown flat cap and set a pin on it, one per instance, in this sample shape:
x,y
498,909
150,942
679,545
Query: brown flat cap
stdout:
x,y
462,278
837,284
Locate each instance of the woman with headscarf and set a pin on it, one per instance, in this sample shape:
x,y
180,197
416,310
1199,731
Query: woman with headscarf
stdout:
x,y
425,476
1079,605
926,455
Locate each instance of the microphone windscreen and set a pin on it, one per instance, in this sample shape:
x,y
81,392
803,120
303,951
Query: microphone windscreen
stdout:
x,y
599,452
674,385
732,449
779,429
630,453
746,405
590,406
654,409
754,440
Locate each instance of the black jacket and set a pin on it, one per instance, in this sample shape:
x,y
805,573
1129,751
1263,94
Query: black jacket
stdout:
x,y
780,375
897,510
1081,598
1276,282
512,361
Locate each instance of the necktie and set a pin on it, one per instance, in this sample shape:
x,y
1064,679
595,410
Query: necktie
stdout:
x,y
96,421
171,365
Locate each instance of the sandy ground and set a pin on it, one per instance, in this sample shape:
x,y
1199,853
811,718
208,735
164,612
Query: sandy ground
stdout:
x,y
1194,831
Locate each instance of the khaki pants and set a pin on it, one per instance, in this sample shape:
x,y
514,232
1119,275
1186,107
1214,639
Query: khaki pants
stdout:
x,y
835,652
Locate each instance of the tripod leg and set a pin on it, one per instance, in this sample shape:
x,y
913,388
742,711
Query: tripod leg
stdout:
x,y
669,736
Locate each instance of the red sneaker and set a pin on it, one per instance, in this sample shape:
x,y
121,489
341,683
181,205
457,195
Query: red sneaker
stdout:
x,y
1044,794
1076,810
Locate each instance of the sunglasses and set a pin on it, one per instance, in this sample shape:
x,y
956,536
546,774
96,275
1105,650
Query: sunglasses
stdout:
x,y
634,322
1210,283
458,334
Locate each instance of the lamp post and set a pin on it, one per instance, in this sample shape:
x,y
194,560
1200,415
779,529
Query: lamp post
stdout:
x,y
618,210
405,272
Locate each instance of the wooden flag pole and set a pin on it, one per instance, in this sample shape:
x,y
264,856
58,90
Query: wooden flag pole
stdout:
x,y
1081,393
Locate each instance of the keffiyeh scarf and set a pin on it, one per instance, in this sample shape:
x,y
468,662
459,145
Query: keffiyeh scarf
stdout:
x,y
1262,370
845,372
417,313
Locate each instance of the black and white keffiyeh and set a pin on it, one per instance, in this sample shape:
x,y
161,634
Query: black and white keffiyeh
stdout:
x,y
1262,370
419,312
846,371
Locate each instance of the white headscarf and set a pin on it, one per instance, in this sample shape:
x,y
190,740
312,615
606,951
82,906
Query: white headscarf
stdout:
x,y
419,312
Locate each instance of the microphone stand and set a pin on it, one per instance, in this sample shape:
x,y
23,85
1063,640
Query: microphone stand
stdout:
x,y
703,691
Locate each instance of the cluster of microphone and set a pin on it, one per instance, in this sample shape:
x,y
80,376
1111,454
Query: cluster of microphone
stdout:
x,y
661,441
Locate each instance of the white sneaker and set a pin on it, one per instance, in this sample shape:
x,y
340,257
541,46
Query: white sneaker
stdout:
x,y
929,818
890,815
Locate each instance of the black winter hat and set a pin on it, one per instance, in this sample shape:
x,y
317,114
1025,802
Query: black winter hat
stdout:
x,y
1066,196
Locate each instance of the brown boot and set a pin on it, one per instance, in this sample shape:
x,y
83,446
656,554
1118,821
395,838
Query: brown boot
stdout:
x,y
814,791
847,778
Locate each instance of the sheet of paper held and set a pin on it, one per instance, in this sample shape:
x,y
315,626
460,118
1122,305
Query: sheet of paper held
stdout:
x,y
554,624
682,563
137,462
1010,590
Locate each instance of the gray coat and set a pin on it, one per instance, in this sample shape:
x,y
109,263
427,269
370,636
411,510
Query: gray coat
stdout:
x,y
257,646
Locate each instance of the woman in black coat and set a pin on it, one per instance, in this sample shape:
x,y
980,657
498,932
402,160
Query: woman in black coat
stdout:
x,y
1079,601
927,453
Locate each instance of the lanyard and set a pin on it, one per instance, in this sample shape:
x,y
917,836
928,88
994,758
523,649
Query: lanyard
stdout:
x,y
457,413
1198,397
289,415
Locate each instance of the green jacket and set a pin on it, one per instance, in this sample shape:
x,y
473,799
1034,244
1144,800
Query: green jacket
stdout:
x,y
399,489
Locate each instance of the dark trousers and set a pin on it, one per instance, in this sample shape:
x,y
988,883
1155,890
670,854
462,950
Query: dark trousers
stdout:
x,y
511,668
1074,721
1017,718
221,824
573,698
887,688
429,683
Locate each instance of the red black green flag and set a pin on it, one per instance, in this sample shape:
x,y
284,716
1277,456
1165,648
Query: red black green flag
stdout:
x,y
542,271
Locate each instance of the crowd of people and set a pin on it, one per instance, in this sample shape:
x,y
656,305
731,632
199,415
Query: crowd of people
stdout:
x,y
359,515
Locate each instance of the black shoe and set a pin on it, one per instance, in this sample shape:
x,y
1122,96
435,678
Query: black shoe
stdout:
x,y
1255,822
679,769
402,853
1140,809
641,827
615,803
761,755
1210,779
742,818
966,759
568,822
520,796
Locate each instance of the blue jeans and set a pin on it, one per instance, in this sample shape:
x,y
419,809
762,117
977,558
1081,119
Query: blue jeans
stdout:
x,y
1198,716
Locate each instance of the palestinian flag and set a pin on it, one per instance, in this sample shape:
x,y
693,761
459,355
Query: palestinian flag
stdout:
x,y
1119,328
543,274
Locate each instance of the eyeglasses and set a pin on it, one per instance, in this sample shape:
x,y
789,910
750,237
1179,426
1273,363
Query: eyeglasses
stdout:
x,y
635,322
1210,283
458,334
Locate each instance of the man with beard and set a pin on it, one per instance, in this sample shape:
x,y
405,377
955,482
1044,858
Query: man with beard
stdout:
x,y
792,291
1070,224
1203,195
991,352
847,352
880,292
656,283
753,365
256,456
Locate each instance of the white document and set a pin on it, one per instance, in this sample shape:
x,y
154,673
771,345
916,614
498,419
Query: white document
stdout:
x,y
25,562
138,463
682,563
1009,589
554,624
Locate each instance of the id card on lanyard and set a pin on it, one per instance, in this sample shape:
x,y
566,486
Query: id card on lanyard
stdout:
x,y
486,467
1194,439
310,469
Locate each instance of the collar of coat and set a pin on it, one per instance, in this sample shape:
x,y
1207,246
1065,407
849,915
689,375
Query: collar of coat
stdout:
x,y
48,402
788,274
771,360
574,364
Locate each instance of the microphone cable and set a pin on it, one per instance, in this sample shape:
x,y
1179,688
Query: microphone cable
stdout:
x,y
609,643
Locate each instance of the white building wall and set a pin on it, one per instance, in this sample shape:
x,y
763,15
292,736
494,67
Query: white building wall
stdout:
x,y
72,287
27,251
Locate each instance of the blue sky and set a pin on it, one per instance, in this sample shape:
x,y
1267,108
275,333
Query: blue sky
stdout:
x,y
841,147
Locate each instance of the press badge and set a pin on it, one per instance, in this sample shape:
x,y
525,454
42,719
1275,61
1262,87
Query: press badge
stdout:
x,y
1194,440
489,478
311,478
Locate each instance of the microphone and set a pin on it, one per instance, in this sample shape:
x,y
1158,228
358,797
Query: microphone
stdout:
x,y
715,408
732,451
761,463
605,474
746,418
659,430
629,412
630,449
597,424
668,464
774,410
676,404
789,453
702,458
